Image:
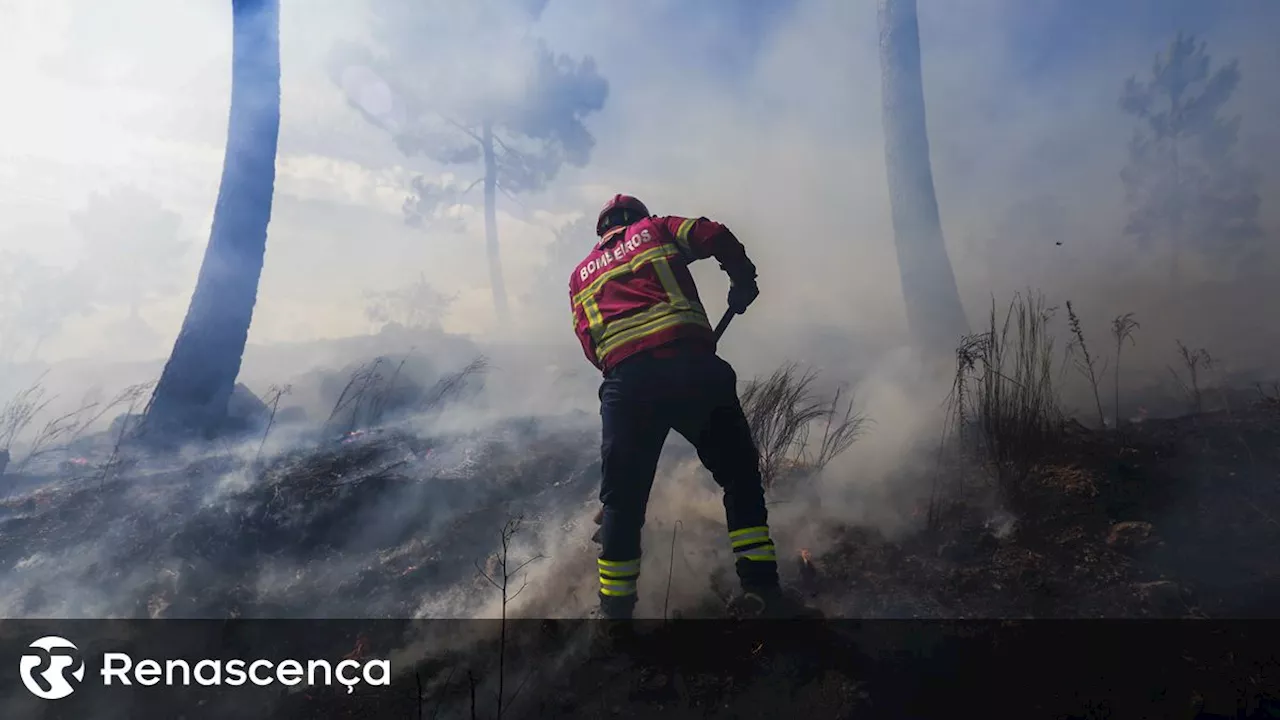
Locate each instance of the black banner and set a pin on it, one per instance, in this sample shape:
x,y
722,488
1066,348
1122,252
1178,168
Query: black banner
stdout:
x,y
107,669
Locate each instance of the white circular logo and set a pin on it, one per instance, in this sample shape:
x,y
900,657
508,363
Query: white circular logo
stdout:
x,y
44,668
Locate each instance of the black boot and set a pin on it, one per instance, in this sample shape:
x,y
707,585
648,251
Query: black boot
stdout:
x,y
770,603
611,624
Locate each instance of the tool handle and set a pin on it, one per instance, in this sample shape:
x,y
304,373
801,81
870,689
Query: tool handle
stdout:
x,y
723,324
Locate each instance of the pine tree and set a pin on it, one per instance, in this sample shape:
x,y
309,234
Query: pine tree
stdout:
x,y
1187,192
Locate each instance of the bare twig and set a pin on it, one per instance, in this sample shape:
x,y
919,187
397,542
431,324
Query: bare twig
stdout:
x,y
436,712
20,411
463,128
353,393
502,582
451,386
381,403
56,429
135,394
274,393
1194,361
838,433
129,394
417,679
471,680
1268,397
1122,328
516,694
671,566
1086,365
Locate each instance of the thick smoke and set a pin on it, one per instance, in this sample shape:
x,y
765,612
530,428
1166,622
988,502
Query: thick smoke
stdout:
x,y
769,123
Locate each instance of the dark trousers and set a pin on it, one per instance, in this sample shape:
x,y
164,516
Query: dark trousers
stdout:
x,y
641,400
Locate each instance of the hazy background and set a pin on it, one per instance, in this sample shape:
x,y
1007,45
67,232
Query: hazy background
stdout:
x,y
764,115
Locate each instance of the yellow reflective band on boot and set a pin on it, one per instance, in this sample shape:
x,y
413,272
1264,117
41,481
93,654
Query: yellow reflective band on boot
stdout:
x,y
753,543
618,577
749,536
617,588
760,553
619,568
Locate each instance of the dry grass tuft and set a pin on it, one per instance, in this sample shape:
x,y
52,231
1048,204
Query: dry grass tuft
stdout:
x,y
1003,406
1122,328
781,411
1085,362
1195,361
20,412
371,397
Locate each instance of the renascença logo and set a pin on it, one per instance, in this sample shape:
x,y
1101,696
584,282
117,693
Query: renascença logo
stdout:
x,y
44,669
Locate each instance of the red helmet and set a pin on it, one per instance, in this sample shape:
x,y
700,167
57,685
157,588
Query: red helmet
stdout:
x,y
621,210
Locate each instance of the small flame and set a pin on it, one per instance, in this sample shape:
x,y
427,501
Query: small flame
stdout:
x,y
360,649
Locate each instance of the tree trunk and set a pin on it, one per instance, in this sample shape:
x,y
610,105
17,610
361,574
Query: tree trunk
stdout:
x,y
491,226
192,393
1176,240
934,313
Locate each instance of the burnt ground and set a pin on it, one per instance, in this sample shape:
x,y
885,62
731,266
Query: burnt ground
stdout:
x,y
365,526
1168,519
1172,520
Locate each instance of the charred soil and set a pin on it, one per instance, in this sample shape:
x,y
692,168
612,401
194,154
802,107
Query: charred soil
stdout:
x,y
1163,519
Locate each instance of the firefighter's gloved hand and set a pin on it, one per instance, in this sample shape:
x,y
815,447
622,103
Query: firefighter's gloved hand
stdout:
x,y
741,294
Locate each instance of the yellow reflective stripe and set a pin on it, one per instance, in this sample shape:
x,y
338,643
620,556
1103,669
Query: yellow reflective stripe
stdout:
x,y
762,553
631,265
620,572
618,577
758,548
743,531
761,535
595,321
652,324
671,320
682,235
670,284
635,320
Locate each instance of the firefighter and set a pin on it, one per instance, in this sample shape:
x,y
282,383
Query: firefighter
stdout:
x,y
638,317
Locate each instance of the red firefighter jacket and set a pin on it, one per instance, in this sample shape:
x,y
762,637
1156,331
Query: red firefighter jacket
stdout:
x,y
634,292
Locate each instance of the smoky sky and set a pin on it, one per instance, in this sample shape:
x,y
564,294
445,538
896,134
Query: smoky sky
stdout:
x,y
764,115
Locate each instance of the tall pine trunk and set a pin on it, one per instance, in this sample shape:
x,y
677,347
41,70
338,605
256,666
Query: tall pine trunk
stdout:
x,y
1176,240
491,225
934,313
198,378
